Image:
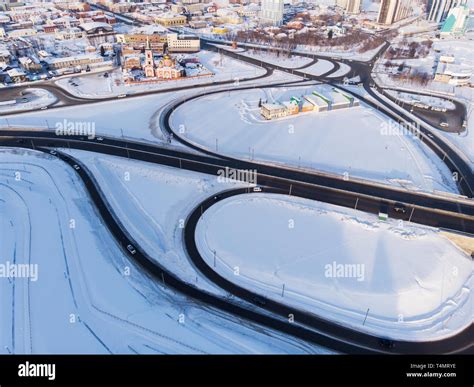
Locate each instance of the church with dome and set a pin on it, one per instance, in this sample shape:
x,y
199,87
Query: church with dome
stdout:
x,y
166,68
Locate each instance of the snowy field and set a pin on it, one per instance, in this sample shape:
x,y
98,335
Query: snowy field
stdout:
x,y
358,141
463,143
137,118
341,264
88,297
36,99
343,70
155,220
223,68
460,49
319,68
227,68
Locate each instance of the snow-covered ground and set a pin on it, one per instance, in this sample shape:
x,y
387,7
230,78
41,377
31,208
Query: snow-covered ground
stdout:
x,y
294,61
319,68
383,78
331,51
35,99
341,53
431,101
410,281
358,141
464,142
88,296
153,201
343,70
229,48
227,68
461,49
458,48
136,117
222,67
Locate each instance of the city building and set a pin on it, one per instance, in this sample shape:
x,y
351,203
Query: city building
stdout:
x,y
139,41
272,12
392,11
30,64
149,65
22,33
349,6
220,30
273,110
250,10
183,43
5,56
167,67
453,74
319,104
70,33
456,22
438,9
292,106
170,20
16,75
198,24
333,99
96,28
131,62
353,6
82,60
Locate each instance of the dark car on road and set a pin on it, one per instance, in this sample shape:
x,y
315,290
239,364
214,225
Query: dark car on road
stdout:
x,y
400,208
386,343
259,301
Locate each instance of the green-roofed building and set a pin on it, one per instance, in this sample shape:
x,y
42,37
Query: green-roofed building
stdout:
x,y
456,22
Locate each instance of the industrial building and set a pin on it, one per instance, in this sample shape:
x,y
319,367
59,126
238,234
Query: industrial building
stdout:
x,y
333,99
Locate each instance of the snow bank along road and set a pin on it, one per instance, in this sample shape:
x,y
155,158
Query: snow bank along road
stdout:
x,y
308,327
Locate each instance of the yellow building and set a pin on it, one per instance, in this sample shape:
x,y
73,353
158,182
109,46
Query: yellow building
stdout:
x,y
171,20
139,41
220,30
273,110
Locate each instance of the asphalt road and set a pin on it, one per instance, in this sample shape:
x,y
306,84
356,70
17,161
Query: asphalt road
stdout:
x,y
306,326
354,185
453,117
67,99
455,161
438,211
426,209
461,343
